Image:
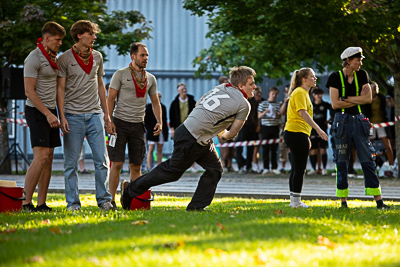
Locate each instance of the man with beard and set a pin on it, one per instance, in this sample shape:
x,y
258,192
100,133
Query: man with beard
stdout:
x,y
130,86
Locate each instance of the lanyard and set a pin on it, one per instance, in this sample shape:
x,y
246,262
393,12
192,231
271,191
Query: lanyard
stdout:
x,y
343,88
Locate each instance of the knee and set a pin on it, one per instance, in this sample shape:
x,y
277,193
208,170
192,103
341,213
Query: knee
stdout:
x,y
117,165
135,168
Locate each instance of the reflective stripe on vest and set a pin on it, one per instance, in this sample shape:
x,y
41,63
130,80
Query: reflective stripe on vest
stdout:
x,y
343,88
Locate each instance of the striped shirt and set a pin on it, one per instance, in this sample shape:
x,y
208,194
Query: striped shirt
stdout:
x,y
269,119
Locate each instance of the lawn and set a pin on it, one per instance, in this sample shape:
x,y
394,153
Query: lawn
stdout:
x,y
234,232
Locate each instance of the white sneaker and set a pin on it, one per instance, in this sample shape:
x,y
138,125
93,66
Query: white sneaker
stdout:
x,y
106,206
265,172
276,171
299,205
312,172
255,167
74,208
324,172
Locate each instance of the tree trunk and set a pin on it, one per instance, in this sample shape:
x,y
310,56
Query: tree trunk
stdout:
x,y
396,77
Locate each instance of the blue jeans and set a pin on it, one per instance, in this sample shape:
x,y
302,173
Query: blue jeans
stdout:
x,y
90,125
348,130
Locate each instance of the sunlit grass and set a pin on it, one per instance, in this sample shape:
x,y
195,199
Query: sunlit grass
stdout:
x,y
235,232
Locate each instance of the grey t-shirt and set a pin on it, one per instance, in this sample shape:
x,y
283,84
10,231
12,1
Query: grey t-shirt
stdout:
x,y
216,111
37,66
81,89
128,107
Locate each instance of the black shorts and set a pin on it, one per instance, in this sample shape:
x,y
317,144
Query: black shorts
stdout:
x,y
132,134
318,142
42,135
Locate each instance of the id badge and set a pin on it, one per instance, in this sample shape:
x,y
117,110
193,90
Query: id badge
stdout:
x,y
113,139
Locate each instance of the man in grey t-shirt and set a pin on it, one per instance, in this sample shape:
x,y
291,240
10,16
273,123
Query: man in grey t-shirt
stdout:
x,y
130,86
81,97
223,106
40,78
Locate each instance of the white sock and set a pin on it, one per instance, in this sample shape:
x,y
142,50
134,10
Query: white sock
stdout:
x,y
295,198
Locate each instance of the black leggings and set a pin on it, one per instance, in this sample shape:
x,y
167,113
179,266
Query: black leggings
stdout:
x,y
299,146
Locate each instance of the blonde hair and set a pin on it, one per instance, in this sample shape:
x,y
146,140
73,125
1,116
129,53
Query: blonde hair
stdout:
x,y
240,75
297,78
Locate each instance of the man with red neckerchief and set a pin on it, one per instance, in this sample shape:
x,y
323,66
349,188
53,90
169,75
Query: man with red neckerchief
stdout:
x,y
130,86
223,106
81,96
40,78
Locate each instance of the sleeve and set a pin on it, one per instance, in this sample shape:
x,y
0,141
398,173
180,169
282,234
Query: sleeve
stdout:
x,y
300,101
100,71
153,88
62,65
334,81
243,111
31,67
116,80
261,106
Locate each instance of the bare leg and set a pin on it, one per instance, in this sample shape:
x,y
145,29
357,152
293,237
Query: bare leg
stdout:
x,y
149,158
159,153
114,177
40,156
136,171
44,180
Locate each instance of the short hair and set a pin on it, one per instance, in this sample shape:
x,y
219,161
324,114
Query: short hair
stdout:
x,y
240,75
135,47
180,84
53,28
258,88
273,88
82,26
223,79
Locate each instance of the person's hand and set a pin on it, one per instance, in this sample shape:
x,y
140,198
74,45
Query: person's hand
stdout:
x,y
64,126
309,143
53,120
172,133
157,129
323,135
111,129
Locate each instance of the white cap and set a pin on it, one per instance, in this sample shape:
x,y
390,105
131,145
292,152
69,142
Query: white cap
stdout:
x,y
352,51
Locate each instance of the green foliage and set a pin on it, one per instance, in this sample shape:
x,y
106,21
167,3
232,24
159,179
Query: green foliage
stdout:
x,y
234,232
275,37
21,23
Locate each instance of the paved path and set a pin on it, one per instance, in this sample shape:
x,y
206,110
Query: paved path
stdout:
x,y
244,185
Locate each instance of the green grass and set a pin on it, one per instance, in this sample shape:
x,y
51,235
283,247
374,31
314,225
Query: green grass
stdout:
x,y
235,232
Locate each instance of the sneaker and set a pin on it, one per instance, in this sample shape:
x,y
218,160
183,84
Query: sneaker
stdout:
x,y
126,199
324,172
29,207
384,207
276,172
106,206
319,171
312,172
85,172
300,205
43,208
254,167
242,170
282,170
344,205
74,208
114,205
351,175
265,172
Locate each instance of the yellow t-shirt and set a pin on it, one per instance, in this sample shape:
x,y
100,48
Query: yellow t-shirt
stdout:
x,y
299,99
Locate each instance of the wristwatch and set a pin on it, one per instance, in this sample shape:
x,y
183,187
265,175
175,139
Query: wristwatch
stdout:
x,y
343,98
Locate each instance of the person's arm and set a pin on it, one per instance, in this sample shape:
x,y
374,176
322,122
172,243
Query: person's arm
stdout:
x,y
60,104
235,128
103,101
112,95
155,102
30,92
307,118
365,96
336,102
282,110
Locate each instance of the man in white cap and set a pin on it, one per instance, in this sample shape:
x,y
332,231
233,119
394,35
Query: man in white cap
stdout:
x,y
350,89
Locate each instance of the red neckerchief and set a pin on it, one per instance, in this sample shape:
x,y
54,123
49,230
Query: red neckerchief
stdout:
x,y
140,92
230,85
53,64
86,67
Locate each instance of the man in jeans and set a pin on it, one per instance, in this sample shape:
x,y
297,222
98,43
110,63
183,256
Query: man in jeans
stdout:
x,y
81,97
221,107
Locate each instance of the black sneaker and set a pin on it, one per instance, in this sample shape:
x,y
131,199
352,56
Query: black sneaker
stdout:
x,y
384,207
43,208
114,205
196,209
344,205
126,199
29,207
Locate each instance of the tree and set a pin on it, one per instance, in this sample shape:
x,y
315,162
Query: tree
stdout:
x,y
276,37
21,23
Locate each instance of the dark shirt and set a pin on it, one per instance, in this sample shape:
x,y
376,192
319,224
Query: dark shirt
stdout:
x,y
175,112
350,89
150,122
320,115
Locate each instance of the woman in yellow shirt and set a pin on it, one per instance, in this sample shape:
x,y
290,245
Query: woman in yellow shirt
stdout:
x,y
298,128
